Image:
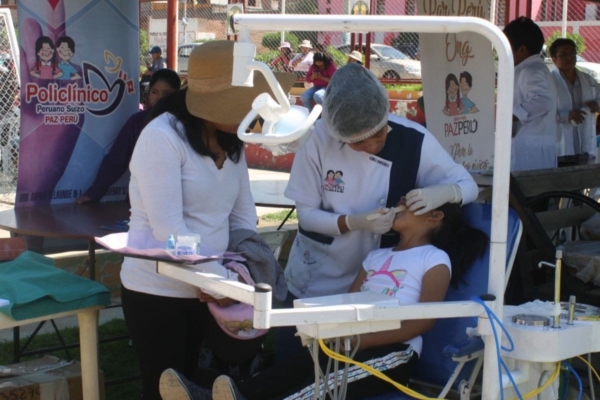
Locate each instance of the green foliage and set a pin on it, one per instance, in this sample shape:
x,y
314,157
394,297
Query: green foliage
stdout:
x,y
404,87
203,40
273,40
577,38
144,42
279,216
339,58
267,56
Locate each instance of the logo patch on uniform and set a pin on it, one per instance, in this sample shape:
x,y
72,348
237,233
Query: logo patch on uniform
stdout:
x,y
334,181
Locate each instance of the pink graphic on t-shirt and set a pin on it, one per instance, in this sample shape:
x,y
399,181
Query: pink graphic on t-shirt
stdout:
x,y
396,276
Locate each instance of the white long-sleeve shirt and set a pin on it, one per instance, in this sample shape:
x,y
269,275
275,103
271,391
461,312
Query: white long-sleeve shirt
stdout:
x,y
586,131
174,190
534,104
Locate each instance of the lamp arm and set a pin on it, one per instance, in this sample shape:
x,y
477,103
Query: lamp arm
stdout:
x,y
284,104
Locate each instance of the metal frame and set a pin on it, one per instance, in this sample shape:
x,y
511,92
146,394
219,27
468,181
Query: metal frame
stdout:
x,y
260,295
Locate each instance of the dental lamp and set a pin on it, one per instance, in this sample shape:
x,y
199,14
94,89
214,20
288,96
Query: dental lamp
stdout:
x,y
284,123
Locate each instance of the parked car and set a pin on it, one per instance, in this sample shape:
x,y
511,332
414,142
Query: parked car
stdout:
x,y
183,56
390,63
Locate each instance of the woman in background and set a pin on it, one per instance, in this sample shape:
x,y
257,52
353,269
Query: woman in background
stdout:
x,y
319,75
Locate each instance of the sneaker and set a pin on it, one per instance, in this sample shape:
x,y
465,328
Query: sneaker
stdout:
x,y
225,389
174,386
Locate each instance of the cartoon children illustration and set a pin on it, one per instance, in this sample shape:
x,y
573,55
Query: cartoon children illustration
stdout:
x,y
466,82
338,177
45,67
453,104
65,47
330,177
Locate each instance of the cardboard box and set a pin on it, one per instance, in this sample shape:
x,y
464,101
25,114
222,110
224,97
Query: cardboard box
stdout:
x,y
46,378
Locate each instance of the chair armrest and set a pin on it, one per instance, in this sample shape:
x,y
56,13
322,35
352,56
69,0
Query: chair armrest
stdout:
x,y
464,348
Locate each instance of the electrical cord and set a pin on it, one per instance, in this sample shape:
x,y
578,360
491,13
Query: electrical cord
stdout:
x,y
501,364
374,372
590,366
579,383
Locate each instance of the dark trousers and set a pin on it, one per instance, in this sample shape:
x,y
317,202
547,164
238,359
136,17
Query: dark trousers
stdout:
x,y
284,379
288,345
168,332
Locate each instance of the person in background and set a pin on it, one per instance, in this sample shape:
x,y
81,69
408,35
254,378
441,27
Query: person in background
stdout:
x,y
576,133
534,99
116,161
381,157
189,176
319,75
281,63
435,250
303,60
355,57
158,62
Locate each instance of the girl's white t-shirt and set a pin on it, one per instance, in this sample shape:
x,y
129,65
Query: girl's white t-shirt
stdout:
x,y
400,274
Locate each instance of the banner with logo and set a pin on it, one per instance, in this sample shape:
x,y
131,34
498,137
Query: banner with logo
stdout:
x,y
458,85
79,84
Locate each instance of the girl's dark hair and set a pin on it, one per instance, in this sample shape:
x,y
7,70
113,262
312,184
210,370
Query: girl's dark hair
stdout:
x,y
175,104
166,75
322,57
68,40
468,78
463,243
452,78
39,43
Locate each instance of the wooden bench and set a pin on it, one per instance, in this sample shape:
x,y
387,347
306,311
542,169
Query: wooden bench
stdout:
x,y
552,205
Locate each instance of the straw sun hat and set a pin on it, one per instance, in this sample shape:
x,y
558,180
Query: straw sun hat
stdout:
x,y
211,96
356,55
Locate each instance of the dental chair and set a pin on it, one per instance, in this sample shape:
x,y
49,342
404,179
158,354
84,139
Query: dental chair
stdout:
x,y
450,359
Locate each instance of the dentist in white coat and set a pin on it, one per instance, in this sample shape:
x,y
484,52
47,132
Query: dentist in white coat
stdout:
x,y
360,160
578,101
534,99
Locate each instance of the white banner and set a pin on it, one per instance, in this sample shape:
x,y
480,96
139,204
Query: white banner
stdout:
x,y
458,85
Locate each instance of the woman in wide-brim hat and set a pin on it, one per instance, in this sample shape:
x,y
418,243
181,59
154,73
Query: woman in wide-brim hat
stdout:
x,y
188,175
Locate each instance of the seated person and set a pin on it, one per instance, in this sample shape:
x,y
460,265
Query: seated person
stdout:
x,y
432,254
116,161
319,75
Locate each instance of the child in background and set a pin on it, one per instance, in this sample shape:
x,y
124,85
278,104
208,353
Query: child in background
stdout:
x,y
435,250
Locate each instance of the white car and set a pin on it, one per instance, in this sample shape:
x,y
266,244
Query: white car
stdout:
x,y
183,56
390,63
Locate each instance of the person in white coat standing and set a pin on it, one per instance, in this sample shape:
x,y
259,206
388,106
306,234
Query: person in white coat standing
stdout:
x,y
534,99
359,161
578,101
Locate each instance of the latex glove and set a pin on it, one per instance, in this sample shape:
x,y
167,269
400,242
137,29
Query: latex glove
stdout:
x,y
420,201
357,222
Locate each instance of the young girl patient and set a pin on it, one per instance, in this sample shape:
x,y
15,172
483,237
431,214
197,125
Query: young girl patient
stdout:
x,y
434,251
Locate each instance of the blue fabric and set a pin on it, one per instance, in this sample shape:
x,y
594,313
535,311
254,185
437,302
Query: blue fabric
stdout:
x,y
67,69
35,287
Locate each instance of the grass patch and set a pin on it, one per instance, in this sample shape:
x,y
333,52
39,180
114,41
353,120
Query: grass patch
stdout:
x,y
116,359
405,87
279,216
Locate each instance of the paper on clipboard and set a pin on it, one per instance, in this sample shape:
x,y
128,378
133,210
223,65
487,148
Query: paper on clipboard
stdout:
x,y
142,243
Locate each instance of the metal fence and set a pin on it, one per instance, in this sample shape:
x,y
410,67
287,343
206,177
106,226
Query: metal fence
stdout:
x,y
10,117
394,57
